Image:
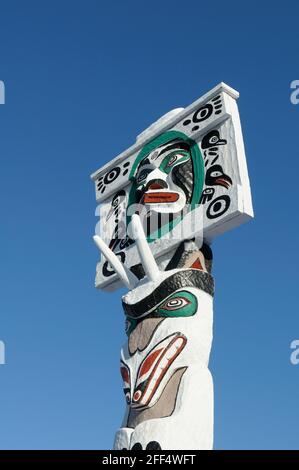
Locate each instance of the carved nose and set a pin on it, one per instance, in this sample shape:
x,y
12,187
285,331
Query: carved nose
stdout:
x,y
156,184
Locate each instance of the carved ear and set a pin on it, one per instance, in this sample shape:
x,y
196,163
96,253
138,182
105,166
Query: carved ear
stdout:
x,y
147,259
125,275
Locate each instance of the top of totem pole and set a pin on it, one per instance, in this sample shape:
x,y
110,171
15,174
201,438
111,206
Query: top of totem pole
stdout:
x,y
186,175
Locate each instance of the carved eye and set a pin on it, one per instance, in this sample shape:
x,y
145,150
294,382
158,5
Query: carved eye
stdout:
x,y
116,202
173,159
213,139
215,174
142,176
174,304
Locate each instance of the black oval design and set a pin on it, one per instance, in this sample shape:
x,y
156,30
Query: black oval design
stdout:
x,y
153,445
137,446
212,140
112,175
100,182
106,271
207,195
125,243
218,207
203,113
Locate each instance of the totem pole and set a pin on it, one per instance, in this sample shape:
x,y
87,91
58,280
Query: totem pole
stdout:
x,y
162,202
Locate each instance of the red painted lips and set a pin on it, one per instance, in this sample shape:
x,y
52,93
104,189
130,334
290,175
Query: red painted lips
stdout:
x,y
159,197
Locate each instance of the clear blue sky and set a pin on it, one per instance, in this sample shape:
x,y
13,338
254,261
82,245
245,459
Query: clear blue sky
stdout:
x,y
83,78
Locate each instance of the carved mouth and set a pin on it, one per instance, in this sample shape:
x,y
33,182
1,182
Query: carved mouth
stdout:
x,y
159,197
154,368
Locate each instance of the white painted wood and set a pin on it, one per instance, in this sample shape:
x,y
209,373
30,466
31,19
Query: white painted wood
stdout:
x,y
234,201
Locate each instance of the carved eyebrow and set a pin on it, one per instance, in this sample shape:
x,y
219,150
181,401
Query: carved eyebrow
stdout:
x,y
176,145
143,163
178,280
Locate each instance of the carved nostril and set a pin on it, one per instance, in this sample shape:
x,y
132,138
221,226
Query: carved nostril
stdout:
x,y
156,184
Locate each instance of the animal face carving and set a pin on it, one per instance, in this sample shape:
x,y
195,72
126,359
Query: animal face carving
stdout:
x,y
159,364
151,371
216,176
168,299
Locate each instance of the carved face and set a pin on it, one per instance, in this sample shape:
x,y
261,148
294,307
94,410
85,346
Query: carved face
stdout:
x,y
167,176
161,338
179,304
151,370
161,182
156,350
170,297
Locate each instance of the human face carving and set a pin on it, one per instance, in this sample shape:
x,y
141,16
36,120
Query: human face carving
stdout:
x,y
159,184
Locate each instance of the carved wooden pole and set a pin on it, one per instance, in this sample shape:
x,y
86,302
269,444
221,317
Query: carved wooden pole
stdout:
x,y
162,202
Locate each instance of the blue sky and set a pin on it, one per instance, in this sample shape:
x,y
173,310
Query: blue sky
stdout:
x,y
82,80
